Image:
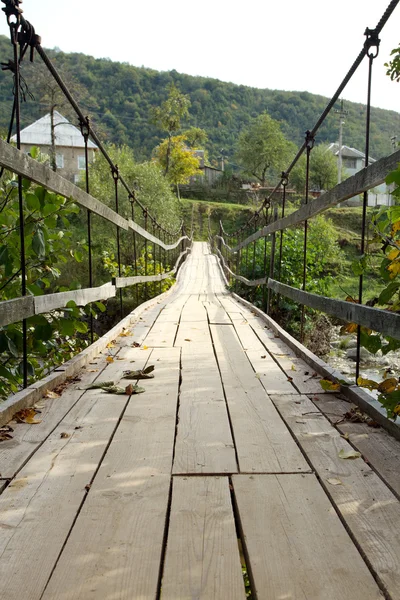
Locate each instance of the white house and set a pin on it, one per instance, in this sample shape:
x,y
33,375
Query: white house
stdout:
x,y
69,142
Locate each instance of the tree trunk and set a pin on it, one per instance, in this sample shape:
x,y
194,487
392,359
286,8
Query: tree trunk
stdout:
x,y
168,155
177,191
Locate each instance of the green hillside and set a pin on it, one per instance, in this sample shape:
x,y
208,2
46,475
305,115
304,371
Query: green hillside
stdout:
x,y
119,98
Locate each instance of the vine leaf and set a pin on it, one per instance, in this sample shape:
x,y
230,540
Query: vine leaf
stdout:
x,y
329,386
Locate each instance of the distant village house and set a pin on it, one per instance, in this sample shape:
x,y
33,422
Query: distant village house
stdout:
x,y
69,143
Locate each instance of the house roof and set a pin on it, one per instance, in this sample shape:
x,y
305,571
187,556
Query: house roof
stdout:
x,y
66,134
348,152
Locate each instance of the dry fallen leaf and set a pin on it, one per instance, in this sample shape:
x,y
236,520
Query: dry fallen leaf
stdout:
x,y
109,359
64,435
345,436
349,454
5,433
334,481
124,335
135,345
27,415
51,394
293,368
145,348
265,356
110,345
92,370
187,340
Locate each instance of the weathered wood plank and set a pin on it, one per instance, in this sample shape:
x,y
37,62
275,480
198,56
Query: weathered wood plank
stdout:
x,y
24,165
38,509
380,450
127,503
27,438
82,297
152,238
365,503
122,282
272,377
384,321
204,443
202,559
12,311
263,442
115,548
296,545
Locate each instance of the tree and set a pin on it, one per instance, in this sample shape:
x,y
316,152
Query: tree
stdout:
x,y
393,66
169,115
262,148
323,170
152,189
183,162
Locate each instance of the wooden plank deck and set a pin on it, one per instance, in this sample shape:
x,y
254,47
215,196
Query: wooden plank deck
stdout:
x,y
222,464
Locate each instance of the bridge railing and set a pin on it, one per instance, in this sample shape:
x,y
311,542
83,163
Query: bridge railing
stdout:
x,y
146,253
252,256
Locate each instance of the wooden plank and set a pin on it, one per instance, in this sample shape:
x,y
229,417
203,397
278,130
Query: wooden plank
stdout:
x,y
301,375
362,181
128,501
82,297
273,379
365,503
380,450
27,438
263,442
204,442
384,321
152,238
15,310
115,548
162,334
202,559
122,282
296,545
24,165
38,509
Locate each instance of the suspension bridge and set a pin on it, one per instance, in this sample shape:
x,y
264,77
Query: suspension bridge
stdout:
x,y
192,452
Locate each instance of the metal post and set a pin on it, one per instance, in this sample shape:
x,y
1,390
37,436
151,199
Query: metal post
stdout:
x,y
145,215
254,258
14,27
372,41
115,174
309,146
265,308
85,129
272,261
132,200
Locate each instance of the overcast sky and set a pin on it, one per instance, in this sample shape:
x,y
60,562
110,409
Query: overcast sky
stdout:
x,y
286,45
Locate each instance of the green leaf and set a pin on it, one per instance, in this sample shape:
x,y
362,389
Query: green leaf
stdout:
x,y
78,256
383,269
71,304
359,266
392,345
81,326
388,292
372,343
101,306
6,373
12,348
38,245
44,331
32,202
67,327
4,255
49,209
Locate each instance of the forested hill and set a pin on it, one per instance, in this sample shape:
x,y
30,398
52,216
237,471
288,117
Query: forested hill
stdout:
x,y
119,97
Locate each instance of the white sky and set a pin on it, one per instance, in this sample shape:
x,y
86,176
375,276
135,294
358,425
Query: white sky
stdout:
x,y
285,44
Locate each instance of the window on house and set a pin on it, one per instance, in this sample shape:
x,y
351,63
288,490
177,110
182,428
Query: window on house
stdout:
x,y
350,163
59,161
81,162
